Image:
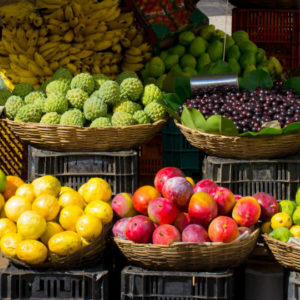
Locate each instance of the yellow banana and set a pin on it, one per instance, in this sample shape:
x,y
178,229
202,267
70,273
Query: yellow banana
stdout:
x,y
37,21
52,21
117,48
133,59
131,33
49,53
132,67
125,42
64,61
64,46
69,15
72,68
31,80
24,61
147,56
58,56
36,70
47,71
57,14
47,46
42,40
145,47
84,53
116,59
54,66
74,22
77,9
22,72
30,51
39,59
21,37
74,50
102,45
134,51
69,36
79,28
63,27
96,69
89,44
114,69
55,38
43,31
78,46
54,29
137,41
29,33
79,38
95,37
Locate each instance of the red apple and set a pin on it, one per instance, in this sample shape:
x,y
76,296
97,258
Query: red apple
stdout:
x,y
202,208
195,234
122,205
268,204
139,229
165,235
178,189
223,229
238,197
119,228
162,211
164,174
142,197
182,221
224,198
204,186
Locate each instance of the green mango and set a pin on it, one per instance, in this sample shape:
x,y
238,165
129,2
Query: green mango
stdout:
x,y
296,216
282,234
277,65
247,46
207,31
198,46
260,55
188,60
240,35
220,67
248,69
215,50
229,42
288,207
233,52
203,60
178,49
248,58
185,38
234,66
171,60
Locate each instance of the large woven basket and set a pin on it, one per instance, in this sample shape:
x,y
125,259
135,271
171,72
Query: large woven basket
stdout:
x,y
277,4
287,255
86,256
188,256
242,147
84,139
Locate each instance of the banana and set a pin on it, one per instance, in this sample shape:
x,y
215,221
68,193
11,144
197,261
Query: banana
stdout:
x,y
54,29
96,69
132,67
30,51
137,41
89,45
21,37
41,41
134,51
63,27
79,39
125,42
77,9
39,59
48,71
79,28
64,46
100,46
95,36
69,15
131,33
23,60
55,38
114,69
148,56
54,66
37,21
14,58
52,21
22,72
29,33
43,31
85,53
57,14
74,22
49,53
72,68
116,59
58,56
31,80
74,50
48,46
64,61
9,48
145,47
69,36
133,59
117,48
36,70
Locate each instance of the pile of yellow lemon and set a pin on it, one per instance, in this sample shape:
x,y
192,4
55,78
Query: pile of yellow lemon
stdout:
x,y
43,220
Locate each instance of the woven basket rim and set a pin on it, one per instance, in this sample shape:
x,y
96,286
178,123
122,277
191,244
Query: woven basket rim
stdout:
x,y
183,244
234,137
274,241
49,126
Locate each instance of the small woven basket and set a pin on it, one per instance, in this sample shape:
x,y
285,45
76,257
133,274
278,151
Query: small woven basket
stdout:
x,y
242,147
188,256
287,255
86,256
84,139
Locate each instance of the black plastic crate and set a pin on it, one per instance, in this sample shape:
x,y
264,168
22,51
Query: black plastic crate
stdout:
x,y
29,284
138,283
119,169
279,177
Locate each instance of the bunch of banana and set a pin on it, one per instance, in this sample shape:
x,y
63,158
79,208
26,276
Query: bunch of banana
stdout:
x,y
81,35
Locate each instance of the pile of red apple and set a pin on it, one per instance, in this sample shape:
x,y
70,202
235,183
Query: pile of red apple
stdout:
x,y
175,210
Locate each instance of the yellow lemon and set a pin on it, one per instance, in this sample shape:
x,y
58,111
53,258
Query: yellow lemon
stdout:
x,y
2,201
71,198
96,189
295,230
31,225
190,180
66,189
26,191
69,216
47,206
32,251
9,243
101,210
89,227
15,206
7,226
281,219
52,228
266,227
84,242
80,190
2,213
65,243
46,185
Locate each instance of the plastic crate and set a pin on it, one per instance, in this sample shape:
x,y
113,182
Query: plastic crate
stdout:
x,y
28,284
119,169
177,152
277,31
279,177
138,283
13,153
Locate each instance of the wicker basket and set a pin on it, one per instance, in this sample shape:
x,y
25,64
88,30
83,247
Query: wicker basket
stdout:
x,y
84,139
242,147
188,256
86,256
287,255
277,4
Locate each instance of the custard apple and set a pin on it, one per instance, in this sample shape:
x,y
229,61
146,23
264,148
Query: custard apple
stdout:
x,y
31,97
121,118
96,94
62,74
4,95
83,81
127,106
51,118
156,67
141,117
94,108
22,89
131,88
72,117
57,87
101,122
39,102
110,92
77,97
44,85
124,75
56,103
12,105
155,111
29,113
99,79
151,93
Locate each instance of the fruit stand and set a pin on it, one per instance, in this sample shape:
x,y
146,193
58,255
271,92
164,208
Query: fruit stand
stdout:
x,y
147,154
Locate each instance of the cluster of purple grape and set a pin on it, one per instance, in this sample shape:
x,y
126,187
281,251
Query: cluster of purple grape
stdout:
x,y
249,110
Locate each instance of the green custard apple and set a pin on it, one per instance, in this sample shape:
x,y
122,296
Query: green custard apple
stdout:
x,y
110,93
22,89
77,97
62,74
151,93
101,122
141,117
83,81
121,118
33,96
94,108
155,111
56,103
99,79
57,87
12,105
29,113
51,118
131,88
72,117
124,75
128,106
